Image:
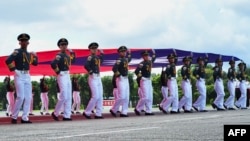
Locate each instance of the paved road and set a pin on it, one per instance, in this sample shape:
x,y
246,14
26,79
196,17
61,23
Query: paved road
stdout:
x,y
171,127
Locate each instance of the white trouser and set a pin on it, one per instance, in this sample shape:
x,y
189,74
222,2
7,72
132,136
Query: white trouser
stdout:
x,y
200,103
65,96
96,100
186,99
140,97
24,93
219,89
45,102
231,85
115,94
122,96
62,108
173,97
164,92
241,102
10,98
77,101
146,99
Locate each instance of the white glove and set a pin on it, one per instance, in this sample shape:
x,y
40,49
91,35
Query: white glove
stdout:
x,y
101,51
33,53
70,50
153,51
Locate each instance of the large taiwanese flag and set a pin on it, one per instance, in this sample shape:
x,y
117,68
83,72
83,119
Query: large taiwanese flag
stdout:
x,y
110,56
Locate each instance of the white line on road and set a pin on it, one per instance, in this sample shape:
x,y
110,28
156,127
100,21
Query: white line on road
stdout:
x,y
183,119
106,132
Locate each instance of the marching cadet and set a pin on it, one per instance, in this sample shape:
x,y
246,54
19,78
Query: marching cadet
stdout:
x,y
120,69
164,88
218,85
172,85
200,73
20,61
231,85
145,83
44,97
76,96
10,96
241,76
61,65
92,65
186,100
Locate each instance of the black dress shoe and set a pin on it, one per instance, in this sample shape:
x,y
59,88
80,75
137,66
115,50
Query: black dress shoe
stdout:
x,y
62,113
98,117
41,113
164,111
72,112
183,107
220,109
225,106
214,106
78,113
174,112
7,114
86,116
142,111
137,112
67,119
203,111
237,106
54,117
93,111
31,114
13,121
149,114
160,108
123,115
243,108
25,121
118,112
188,111
112,113
231,108
47,114
196,109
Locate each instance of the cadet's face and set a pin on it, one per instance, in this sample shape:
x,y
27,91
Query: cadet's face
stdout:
x,y
201,62
123,53
93,50
24,43
187,62
145,57
171,60
63,47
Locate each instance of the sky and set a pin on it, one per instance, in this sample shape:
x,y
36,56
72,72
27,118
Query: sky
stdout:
x,y
213,26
